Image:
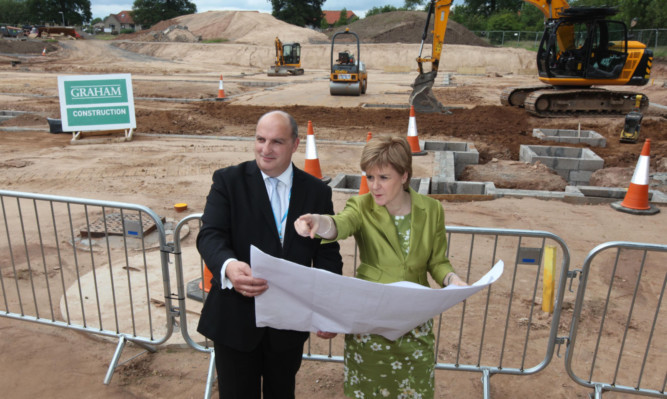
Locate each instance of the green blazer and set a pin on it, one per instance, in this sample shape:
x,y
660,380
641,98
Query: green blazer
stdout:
x,y
382,258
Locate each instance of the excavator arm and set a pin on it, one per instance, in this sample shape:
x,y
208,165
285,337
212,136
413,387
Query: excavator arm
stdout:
x,y
279,52
422,97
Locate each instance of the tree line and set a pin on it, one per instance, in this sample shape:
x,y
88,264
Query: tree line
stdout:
x,y
477,15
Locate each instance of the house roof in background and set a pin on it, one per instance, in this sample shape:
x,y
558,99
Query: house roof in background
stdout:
x,y
333,16
124,17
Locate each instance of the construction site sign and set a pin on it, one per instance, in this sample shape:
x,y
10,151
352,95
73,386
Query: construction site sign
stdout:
x,y
96,102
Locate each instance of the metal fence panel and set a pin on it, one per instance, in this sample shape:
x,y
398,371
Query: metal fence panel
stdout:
x,y
87,265
654,39
619,278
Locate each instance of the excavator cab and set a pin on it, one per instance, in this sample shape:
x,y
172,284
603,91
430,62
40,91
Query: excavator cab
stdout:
x,y
292,54
582,47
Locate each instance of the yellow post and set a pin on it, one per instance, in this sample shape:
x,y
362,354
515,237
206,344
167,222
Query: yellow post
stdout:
x,y
549,280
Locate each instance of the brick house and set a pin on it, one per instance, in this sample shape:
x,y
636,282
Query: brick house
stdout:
x,y
333,16
120,21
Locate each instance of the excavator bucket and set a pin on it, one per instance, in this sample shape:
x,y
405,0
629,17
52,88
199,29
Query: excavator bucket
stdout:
x,y
422,97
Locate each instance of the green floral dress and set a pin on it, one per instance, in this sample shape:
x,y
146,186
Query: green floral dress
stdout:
x,y
376,367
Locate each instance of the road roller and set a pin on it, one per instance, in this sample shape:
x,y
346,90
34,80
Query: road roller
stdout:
x,y
348,74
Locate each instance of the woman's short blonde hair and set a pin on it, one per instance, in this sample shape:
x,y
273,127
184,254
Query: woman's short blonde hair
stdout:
x,y
385,151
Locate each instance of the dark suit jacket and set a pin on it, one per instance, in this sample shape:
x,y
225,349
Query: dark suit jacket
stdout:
x,y
238,214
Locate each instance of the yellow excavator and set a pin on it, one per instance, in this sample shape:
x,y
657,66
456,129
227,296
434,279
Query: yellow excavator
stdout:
x,y
288,59
580,49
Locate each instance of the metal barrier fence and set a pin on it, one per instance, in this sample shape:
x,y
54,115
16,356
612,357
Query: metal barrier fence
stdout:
x,y
85,265
627,277
94,266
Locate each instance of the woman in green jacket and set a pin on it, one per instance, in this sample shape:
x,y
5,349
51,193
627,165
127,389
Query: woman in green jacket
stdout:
x,y
401,236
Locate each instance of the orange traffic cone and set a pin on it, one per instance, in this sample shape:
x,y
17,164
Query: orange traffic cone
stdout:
x,y
221,91
413,140
312,164
44,51
206,281
363,186
636,199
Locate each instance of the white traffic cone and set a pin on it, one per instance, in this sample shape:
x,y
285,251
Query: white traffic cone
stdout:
x,y
413,139
312,162
221,91
636,199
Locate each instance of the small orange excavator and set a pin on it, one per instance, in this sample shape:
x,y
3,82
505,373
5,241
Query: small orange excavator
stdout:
x,y
288,59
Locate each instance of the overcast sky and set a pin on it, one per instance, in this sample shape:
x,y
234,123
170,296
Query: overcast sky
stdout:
x,y
102,8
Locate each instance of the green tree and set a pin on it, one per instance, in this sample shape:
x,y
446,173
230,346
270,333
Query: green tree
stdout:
x,y
74,12
412,4
150,12
342,19
298,12
380,10
13,12
504,20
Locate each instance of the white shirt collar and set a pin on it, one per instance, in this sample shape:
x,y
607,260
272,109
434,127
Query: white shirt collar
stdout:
x,y
285,177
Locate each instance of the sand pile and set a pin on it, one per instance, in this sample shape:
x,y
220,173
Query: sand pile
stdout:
x,y
174,33
248,27
406,27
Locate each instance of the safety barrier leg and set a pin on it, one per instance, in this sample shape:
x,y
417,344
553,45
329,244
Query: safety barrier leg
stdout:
x,y
210,378
119,350
114,360
486,383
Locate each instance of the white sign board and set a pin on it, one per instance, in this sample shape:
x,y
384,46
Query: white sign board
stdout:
x,y
96,102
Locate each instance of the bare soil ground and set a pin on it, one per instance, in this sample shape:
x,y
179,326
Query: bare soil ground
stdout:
x,y
179,125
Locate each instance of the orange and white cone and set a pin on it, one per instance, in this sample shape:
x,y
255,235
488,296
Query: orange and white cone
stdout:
x,y
44,51
221,90
636,199
206,280
363,185
312,164
413,139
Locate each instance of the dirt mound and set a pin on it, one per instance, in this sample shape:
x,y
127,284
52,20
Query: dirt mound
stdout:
x,y
30,46
173,33
515,175
406,27
249,27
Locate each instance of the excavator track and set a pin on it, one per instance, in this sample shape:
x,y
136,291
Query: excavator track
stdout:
x,y
516,96
551,102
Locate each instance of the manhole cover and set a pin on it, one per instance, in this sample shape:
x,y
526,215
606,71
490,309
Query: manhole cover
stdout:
x,y
112,224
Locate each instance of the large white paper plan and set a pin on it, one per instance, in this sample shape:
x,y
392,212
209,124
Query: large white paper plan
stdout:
x,y
308,299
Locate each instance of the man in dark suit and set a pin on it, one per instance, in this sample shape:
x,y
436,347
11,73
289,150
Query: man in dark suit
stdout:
x,y
239,214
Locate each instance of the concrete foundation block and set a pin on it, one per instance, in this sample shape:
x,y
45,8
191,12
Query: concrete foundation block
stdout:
x,y
589,137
